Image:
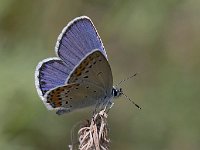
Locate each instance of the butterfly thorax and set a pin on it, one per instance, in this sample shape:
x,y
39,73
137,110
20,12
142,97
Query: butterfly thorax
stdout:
x,y
116,92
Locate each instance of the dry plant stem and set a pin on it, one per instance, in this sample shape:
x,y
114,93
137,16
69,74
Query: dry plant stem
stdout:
x,y
94,134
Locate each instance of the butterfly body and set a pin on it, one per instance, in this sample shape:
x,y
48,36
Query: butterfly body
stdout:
x,y
81,75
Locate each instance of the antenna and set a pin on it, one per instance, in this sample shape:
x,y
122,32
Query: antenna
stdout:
x,y
131,101
126,79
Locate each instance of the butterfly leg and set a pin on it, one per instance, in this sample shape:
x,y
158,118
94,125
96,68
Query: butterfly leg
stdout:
x,y
108,106
97,106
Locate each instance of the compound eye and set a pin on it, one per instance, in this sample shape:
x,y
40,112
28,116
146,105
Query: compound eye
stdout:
x,y
114,92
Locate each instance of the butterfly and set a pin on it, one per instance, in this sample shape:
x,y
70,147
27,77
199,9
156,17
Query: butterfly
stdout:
x,y
80,75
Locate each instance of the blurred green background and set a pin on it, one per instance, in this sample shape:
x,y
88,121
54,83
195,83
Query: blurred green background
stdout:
x,y
159,39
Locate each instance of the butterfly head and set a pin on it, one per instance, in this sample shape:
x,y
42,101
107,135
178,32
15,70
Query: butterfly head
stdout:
x,y
117,92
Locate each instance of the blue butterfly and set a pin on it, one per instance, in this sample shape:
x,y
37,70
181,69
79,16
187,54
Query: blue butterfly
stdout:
x,y
80,75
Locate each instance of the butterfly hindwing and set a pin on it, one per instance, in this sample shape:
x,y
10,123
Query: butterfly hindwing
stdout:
x,y
74,96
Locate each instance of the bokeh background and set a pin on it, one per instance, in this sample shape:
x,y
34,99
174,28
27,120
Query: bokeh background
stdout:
x,y
159,39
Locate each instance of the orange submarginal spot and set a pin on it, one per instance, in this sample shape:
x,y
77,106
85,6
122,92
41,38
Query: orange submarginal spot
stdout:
x,y
58,104
81,66
54,96
78,72
87,61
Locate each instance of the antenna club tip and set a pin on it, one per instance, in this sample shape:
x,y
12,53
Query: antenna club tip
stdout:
x,y
138,106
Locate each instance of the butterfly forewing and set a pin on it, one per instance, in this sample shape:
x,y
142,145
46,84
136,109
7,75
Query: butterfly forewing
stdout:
x,y
94,69
78,39
50,73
